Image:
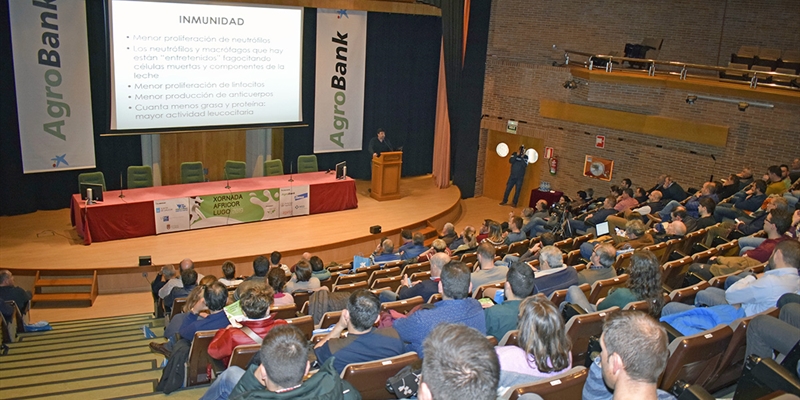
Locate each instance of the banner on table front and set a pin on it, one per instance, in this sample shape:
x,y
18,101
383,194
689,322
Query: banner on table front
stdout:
x,y
51,71
339,93
230,208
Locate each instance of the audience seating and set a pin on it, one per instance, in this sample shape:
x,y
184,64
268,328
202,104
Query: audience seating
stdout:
x,y
273,167
559,296
235,170
285,311
197,365
672,246
177,306
568,385
492,340
501,250
658,249
435,298
579,267
511,338
304,309
694,358
411,269
673,272
728,249
383,273
582,327
703,256
328,283
344,279
329,318
420,276
301,296
350,287
307,163
578,241
763,378
518,247
686,295
304,323
92,177
368,269
242,354
719,281
392,283
601,288
622,262
691,239
469,257
478,293
369,378
643,305
564,245
403,306
140,176
192,172
573,257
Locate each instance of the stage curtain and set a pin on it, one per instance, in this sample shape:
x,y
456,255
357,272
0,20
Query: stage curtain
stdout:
x,y
441,140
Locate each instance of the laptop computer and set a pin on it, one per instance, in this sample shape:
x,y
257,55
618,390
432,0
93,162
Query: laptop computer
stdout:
x,y
601,228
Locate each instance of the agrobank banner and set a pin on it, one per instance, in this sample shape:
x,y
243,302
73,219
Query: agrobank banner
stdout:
x,y
51,71
339,94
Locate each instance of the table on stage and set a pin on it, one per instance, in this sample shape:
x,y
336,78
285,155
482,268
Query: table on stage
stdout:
x,y
134,215
551,197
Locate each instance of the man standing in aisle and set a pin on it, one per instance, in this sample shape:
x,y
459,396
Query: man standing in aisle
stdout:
x,y
519,162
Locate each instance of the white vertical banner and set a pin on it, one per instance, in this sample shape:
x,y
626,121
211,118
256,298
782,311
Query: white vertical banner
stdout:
x,y
172,215
51,71
339,93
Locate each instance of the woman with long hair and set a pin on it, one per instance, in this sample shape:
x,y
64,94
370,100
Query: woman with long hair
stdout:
x,y
644,283
302,279
495,237
542,350
470,242
276,279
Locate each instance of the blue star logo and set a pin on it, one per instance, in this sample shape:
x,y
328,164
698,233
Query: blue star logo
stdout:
x,y
343,13
59,159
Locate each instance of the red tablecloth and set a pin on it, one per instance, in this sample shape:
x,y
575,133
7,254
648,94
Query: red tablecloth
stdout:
x,y
134,215
551,197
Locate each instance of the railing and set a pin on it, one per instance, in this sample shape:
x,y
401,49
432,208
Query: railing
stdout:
x,y
682,69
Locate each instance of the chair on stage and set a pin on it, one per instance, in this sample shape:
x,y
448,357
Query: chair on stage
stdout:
x,y
273,167
235,169
92,177
140,176
307,163
192,172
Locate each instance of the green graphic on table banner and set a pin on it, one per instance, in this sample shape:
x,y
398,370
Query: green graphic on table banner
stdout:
x,y
234,208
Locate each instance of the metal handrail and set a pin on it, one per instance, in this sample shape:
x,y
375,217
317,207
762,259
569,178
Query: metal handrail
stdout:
x,y
684,68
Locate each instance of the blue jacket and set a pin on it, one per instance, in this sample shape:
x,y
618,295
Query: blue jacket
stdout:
x,y
701,319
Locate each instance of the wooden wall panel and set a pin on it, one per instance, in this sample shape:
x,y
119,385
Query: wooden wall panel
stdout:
x,y
497,169
211,148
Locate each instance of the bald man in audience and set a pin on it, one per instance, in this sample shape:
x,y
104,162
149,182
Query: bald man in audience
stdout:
x,y
176,281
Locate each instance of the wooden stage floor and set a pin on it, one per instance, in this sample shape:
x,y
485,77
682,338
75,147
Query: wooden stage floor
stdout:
x,y
45,240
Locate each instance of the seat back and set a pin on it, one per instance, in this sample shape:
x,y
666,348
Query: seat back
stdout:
x,y
643,305
559,296
369,378
420,276
383,273
344,279
568,385
469,257
479,291
192,172
368,268
691,239
602,287
728,249
673,272
177,306
235,170
703,256
92,177
199,360
578,241
694,358
518,247
672,245
563,245
435,298
273,167
140,176
284,311
403,306
582,327
719,281
658,249
573,257
391,282
242,354
307,163
350,287
304,323
301,296
511,338
329,318
686,295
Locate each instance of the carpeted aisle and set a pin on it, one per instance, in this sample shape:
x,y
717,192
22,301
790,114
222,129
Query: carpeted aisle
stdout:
x,y
101,358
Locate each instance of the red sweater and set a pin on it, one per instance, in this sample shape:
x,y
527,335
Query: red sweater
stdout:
x,y
227,339
764,250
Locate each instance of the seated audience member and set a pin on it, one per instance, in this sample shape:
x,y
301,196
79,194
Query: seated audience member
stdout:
x,y
207,314
6,310
516,235
705,210
633,357
385,252
755,222
229,273
766,334
177,317
261,266
659,184
489,272
679,214
544,349
626,200
406,237
176,281
666,231
425,289
275,262
438,246
578,227
640,195
166,273
540,220
553,274
636,237
776,184
503,317
318,269
745,177
754,295
188,282
754,199
448,234
776,225
707,192
546,239
672,190
600,265
653,204
460,364
794,170
456,307
255,303
495,236
284,363
417,247
729,187
276,279
302,279
467,243
9,291
363,342
644,283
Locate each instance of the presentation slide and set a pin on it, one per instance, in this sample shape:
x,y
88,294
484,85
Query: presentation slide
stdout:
x,y
182,65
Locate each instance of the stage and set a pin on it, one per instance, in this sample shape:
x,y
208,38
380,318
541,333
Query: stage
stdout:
x,y
45,240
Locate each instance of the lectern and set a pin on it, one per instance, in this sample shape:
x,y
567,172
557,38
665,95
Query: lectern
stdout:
x,y
386,175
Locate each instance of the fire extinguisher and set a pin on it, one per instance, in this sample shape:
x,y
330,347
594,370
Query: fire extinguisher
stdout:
x,y
553,165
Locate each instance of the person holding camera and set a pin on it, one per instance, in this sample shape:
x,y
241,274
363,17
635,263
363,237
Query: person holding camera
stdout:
x,y
518,161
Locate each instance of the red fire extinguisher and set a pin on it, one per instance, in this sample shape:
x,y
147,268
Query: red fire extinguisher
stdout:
x,y
553,165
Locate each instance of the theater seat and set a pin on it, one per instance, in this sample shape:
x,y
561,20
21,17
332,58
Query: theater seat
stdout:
x,y
350,287
402,306
304,323
568,385
284,311
582,327
694,358
329,318
479,291
686,295
369,378
673,272
198,362
242,355
601,288
559,296
511,338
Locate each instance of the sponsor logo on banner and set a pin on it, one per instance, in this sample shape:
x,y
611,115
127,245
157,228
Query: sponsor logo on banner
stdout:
x,y
51,71
172,215
339,93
